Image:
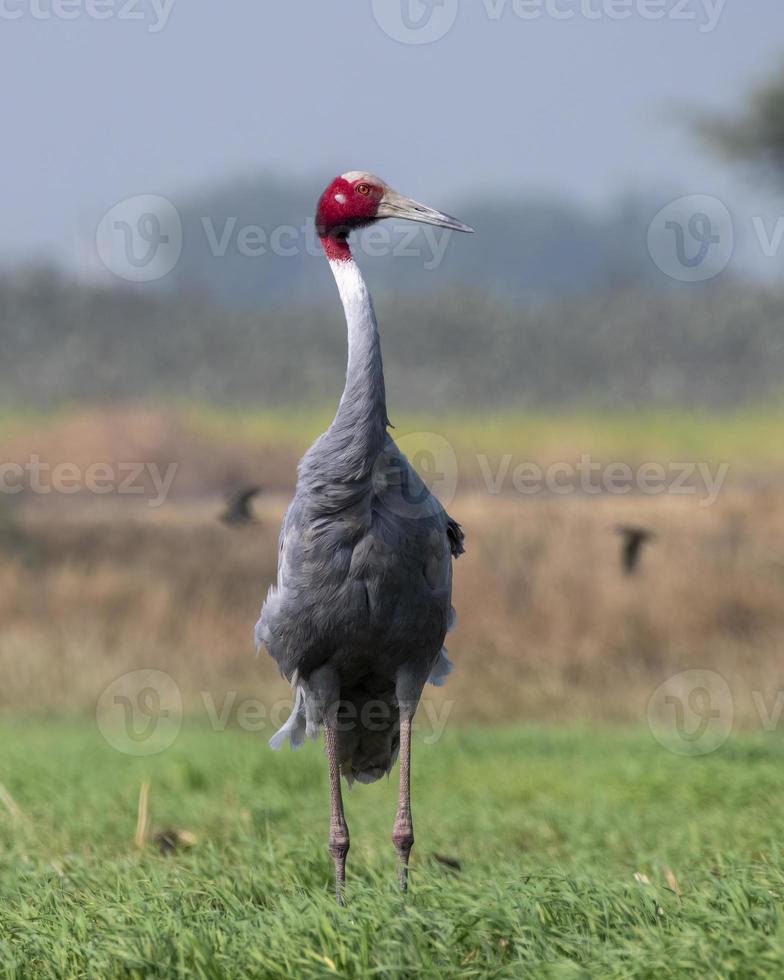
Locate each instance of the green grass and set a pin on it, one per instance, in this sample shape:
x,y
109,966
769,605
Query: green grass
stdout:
x,y
551,828
749,437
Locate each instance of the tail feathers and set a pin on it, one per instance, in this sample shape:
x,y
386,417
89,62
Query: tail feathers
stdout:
x,y
441,670
368,745
368,738
456,537
295,728
367,756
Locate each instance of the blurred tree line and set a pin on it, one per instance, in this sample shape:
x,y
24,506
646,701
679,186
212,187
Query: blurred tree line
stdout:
x,y
720,345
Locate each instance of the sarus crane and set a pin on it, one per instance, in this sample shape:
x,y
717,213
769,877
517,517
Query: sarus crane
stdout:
x,y
358,616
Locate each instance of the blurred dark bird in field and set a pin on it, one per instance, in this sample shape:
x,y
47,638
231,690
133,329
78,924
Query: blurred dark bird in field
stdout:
x,y
238,509
171,840
448,862
633,540
363,600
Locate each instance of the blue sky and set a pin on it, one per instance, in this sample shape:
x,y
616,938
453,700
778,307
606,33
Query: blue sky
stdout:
x,y
579,96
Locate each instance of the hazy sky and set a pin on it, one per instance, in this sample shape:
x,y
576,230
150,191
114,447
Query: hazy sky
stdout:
x,y
161,96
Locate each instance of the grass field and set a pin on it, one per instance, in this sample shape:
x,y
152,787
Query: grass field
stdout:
x,y
584,854
749,437
586,848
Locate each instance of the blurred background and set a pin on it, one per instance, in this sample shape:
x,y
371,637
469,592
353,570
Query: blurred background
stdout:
x,y
592,383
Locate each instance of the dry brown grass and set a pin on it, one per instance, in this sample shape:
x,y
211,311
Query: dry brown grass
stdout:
x,y
548,626
206,460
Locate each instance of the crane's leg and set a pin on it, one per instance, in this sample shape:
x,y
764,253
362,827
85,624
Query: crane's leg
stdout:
x,y
338,828
403,831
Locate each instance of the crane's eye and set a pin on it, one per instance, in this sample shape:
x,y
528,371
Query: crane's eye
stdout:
x,y
363,189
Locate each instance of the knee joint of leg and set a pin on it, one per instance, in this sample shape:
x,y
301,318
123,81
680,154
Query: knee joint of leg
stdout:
x,y
403,838
339,844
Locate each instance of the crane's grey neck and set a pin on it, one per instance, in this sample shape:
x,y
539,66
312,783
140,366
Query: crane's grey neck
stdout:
x,y
362,412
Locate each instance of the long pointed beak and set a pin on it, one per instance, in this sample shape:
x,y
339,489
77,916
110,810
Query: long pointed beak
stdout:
x,y
394,205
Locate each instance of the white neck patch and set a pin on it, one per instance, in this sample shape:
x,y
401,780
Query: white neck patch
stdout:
x,y
357,305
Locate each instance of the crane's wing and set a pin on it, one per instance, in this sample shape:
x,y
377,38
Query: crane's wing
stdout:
x,y
288,559
416,524
381,562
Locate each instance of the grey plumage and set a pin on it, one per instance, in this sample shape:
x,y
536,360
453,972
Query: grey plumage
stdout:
x,y
363,600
